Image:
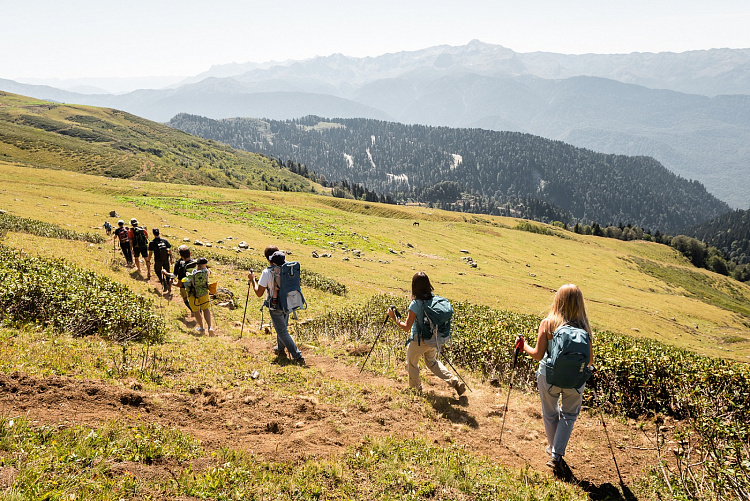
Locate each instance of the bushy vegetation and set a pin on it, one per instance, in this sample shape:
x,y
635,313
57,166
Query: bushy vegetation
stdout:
x,y
10,222
635,377
56,294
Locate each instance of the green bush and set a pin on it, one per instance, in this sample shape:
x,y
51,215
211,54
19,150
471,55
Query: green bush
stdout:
x,y
9,222
54,293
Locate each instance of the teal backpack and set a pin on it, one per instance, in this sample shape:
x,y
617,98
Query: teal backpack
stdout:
x,y
567,364
435,320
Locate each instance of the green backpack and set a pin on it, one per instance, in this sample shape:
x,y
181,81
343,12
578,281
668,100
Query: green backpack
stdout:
x,y
140,237
197,283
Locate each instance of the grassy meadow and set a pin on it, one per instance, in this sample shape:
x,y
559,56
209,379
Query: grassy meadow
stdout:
x,y
636,288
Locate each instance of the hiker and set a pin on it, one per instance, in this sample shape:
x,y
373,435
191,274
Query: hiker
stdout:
x,y
421,293
161,250
279,317
139,242
107,228
560,406
123,236
199,300
182,267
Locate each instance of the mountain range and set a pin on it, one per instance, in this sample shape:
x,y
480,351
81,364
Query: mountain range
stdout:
x,y
690,111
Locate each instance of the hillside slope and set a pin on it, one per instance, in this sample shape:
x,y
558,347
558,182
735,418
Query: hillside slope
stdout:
x,y
117,144
631,287
404,160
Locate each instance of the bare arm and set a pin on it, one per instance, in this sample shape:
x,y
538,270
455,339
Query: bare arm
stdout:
x,y
257,288
405,326
537,352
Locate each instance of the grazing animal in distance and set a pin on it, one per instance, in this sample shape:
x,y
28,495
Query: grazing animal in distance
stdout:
x,y
415,223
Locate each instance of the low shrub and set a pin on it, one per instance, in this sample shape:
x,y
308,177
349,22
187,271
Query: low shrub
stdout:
x,y
56,294
10,222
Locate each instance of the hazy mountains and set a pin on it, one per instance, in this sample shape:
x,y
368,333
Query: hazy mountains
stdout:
x,y
408,160
690,111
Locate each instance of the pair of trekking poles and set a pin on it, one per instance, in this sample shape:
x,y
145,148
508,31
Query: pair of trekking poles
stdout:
x,y
516,351
380,332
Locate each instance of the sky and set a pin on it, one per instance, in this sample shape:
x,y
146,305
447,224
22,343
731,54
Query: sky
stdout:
x,y
113,38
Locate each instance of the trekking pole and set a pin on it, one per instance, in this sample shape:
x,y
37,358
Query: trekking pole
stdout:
x,y
516,351
604,425
376,341
445,357
247,299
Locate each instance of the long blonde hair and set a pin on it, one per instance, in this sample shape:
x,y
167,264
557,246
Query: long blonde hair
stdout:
x,y
568,308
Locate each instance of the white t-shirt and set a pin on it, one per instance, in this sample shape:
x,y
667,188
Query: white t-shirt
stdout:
x,y
266,280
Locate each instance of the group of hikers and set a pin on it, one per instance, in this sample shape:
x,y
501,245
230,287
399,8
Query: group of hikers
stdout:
x,y
564,345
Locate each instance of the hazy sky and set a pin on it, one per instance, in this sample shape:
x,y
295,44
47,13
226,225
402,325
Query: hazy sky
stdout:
x,y
116,38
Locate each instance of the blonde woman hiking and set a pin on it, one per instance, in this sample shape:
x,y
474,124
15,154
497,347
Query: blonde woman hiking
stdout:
x,y
564,348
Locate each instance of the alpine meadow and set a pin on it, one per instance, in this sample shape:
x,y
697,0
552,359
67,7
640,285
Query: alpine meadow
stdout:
x,y
108,391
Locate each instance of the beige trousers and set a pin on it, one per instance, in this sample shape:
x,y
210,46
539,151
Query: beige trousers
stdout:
x,y
414,352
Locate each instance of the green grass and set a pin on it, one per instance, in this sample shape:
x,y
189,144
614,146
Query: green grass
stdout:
x,y
516,270
107,463
114,143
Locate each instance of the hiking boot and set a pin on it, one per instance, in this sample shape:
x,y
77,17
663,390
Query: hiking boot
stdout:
x,y
555,462
199,330
460,388
298,361
279,353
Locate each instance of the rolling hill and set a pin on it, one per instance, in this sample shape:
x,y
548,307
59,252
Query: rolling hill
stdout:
x,y
113,143
405,160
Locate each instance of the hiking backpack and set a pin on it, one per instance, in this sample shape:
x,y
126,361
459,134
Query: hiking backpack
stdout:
x,y
162,250
569,350
140,237
435,320
197,283
122,235
287,293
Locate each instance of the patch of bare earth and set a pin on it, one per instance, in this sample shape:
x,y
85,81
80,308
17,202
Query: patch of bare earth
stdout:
x,y
293,427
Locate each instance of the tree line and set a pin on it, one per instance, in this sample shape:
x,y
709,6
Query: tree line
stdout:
x,y
493,172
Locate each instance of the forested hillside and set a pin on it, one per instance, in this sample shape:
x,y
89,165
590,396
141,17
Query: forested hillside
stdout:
x,y
113,143
729,233
411,162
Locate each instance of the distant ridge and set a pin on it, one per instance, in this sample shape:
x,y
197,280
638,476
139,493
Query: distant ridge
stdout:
x,y
406,160
690,111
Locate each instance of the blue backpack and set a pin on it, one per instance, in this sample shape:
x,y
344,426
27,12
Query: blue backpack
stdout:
x,y
567,364
435,320
287,294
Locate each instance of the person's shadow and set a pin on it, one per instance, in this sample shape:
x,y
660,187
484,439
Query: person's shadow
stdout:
x,y
602,492
447,407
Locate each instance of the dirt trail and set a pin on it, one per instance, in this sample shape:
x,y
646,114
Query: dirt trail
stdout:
x,y
282,427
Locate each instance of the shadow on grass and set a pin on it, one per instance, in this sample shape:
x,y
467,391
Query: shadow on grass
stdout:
x,y
602,492
451,409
